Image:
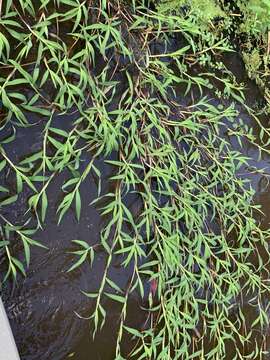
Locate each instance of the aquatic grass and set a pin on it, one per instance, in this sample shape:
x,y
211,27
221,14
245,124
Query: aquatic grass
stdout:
x,y
198,257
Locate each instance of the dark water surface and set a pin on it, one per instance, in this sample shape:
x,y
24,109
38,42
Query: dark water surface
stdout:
x,y
43,308
47,308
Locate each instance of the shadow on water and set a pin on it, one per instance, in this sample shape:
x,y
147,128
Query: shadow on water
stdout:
x,y
43,307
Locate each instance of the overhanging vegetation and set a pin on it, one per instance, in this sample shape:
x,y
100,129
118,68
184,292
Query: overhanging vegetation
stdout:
x,y
151,96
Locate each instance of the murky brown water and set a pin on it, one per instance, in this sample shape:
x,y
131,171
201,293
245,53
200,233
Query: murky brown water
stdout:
x,y
42,307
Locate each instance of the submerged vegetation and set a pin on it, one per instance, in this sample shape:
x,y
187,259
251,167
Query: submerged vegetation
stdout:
x,y
150,94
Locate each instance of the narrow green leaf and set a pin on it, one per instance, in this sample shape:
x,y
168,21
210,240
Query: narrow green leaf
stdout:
x,y
9,200
79,262
115,297
44,205
78,204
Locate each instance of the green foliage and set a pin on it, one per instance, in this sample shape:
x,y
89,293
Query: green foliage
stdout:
x,y
255,13
247,20
256,16
194,239
252,61
204,10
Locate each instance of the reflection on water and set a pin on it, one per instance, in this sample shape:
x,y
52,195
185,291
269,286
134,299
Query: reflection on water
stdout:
x,y
42,307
